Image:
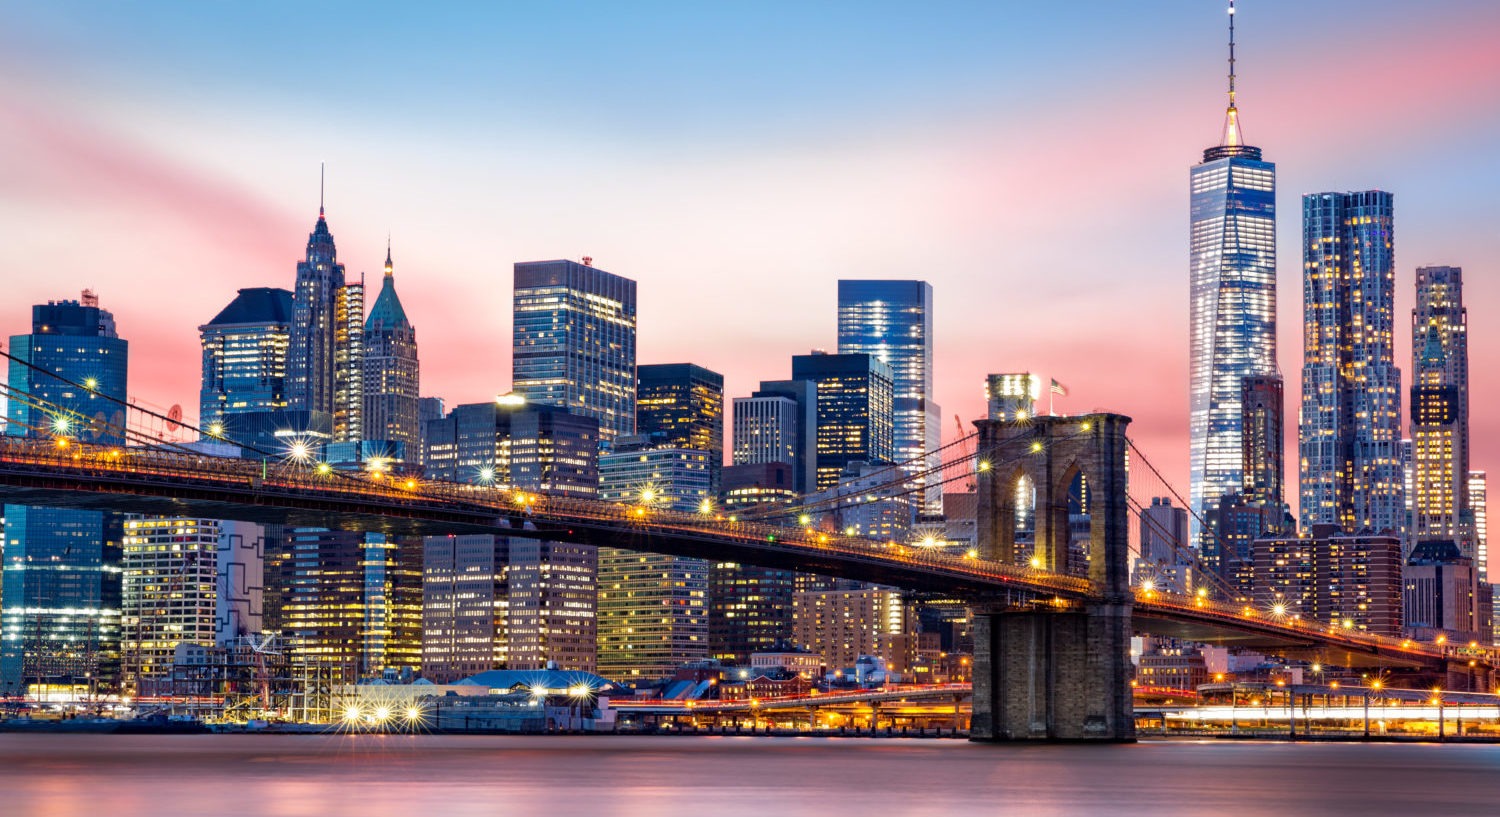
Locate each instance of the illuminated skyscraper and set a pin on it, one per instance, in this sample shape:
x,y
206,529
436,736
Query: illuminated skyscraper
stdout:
x,y
779,423
1479,505
1233,322
311,364
853,411
574,342
62,567
244,355
349,362
391,373
1349,438
682,405
1440,411
892,320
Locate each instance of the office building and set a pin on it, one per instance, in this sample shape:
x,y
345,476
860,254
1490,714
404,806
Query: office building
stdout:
x,y
653,609
349,362
311,362
750,608
185,581
842,625
465,605
892,321
1232,324
779,423
244,356
549,588
1349,436
854,419
350,603
1444,595
682,405
61,625
392,376
515,443
574,342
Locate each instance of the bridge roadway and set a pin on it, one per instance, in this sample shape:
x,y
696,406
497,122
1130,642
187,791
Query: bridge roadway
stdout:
x,y
65,473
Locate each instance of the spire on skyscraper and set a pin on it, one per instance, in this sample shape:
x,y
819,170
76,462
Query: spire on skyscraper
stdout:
x,y
322,174
1231,114
389,268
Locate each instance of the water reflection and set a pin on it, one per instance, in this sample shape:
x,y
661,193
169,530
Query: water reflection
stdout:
x,y
376,776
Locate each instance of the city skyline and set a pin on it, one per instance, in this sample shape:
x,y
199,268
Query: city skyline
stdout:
x,y
703,206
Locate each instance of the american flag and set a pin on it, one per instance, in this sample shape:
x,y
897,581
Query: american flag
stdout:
x,y
1059,389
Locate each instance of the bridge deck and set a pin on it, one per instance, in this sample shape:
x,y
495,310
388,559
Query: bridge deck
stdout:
x,y
69,474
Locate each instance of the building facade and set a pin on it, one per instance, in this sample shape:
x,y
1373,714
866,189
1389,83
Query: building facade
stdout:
x,y
350,603
574,342
60,626
465,605
892,320
653,608
245,356
1349,437
682,405
392,375
1440,411
854,412
779,423
1232,326
310,352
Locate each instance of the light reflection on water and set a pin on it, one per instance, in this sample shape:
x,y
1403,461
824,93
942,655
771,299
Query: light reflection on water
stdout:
x,y
562,776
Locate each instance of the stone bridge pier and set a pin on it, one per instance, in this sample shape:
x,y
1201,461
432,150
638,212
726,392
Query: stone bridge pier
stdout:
x,y
1048,671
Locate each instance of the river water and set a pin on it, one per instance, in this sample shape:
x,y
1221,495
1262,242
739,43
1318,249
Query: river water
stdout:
x,y
568,776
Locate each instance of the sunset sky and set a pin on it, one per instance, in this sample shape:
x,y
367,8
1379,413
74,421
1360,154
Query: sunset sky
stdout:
x,y
1030,160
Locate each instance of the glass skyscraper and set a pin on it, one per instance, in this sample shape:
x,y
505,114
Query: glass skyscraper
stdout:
x,y
854,411
61,614
310,356
244,355
682,405
1349,438
892,320
1232,332
574,342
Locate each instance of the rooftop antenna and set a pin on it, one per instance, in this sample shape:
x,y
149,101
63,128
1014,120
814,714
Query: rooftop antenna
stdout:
x,y
1232,115
321,165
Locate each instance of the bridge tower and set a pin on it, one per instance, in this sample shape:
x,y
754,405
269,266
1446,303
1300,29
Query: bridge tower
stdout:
x,y
1045,670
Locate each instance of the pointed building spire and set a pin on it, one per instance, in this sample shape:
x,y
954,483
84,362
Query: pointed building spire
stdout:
x,y
389,268
1232,114
321,175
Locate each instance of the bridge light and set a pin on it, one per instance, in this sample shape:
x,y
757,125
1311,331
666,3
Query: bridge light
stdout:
x,y
1036,447
1036,562
216,429
706,506
62,442
299,451
413,713
1148,585
1348,623
1442,639
804,519
91,383
971,554
61,425
984,465
411,485
324,468
351,713
486,475
648,495
382,714
1376,685
1278,609
1086,426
